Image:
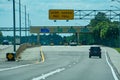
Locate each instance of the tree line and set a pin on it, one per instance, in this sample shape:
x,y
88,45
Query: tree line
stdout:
x,y
105,31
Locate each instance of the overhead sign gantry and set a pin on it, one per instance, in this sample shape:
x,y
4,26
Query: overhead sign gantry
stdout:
x,y
59,29
68,14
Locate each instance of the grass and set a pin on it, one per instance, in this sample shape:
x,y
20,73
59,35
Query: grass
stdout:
x,y
118,49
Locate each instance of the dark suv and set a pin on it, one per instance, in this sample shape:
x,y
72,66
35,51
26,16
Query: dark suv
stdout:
x,y
95,51
5,42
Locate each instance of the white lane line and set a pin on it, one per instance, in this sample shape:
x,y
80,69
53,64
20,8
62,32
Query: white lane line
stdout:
x,y
5,69
113,72
48,74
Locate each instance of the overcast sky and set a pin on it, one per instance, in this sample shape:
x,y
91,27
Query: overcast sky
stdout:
x,y
38,10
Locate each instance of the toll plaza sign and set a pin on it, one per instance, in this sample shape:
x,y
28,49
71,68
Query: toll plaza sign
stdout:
x,y
61,14
59,29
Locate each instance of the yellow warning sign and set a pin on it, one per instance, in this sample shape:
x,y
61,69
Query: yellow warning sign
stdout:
x,y
61,14
10,56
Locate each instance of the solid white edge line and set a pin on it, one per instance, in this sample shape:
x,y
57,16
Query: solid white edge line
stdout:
x,y
48,74
5,69
113,72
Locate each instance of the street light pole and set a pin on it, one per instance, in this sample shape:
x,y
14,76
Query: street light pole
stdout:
x,y
14,26
25,25
20,19
28,27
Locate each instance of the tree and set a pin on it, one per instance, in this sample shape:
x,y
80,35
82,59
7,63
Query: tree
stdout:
x,y
1,34
0,37
100,17
104,31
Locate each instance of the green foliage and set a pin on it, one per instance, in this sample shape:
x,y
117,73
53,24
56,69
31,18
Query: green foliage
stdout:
x,y
1,34
0,37
118,49
100,17
105,31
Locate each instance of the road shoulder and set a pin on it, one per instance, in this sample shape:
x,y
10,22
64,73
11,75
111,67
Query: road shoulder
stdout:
x,y
114,58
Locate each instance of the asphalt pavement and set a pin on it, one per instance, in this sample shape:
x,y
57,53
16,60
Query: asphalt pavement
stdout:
x,y
114,57
61,63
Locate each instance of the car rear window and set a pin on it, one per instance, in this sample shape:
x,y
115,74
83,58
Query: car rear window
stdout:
x,y
95,48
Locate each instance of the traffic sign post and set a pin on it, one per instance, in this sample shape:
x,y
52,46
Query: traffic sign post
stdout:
x,y
10,56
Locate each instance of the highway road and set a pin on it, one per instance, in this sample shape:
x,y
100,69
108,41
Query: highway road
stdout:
x,y
61,63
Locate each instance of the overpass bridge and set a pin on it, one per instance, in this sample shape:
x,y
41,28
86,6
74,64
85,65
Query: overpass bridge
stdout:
x,y
11,29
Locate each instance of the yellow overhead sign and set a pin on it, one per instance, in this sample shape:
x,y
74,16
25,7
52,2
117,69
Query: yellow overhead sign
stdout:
x,y
61,14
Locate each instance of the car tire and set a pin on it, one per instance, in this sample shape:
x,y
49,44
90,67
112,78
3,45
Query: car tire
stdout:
x,y
100,56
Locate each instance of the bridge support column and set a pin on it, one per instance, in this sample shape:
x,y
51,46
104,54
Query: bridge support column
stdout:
x,y
78,38
38,38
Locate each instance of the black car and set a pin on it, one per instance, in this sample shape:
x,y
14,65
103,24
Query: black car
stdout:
x,y
73,43
95,51
5,42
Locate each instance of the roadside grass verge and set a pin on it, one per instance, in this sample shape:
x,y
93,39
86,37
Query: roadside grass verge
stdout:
x,y
118,49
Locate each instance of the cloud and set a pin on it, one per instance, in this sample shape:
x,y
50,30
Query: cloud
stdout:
x,y
5,6
38,9
2,1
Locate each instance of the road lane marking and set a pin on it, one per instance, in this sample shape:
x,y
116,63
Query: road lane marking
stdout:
x,y
49,74
5,69
113,72
42,55
11,68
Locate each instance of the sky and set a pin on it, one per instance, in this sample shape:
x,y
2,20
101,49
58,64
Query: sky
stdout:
x,y
39,9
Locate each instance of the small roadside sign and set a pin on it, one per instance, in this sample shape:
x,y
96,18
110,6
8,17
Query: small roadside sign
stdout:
x,y
10,56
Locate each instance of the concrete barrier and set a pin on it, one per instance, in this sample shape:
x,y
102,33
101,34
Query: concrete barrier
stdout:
x,y
21,49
